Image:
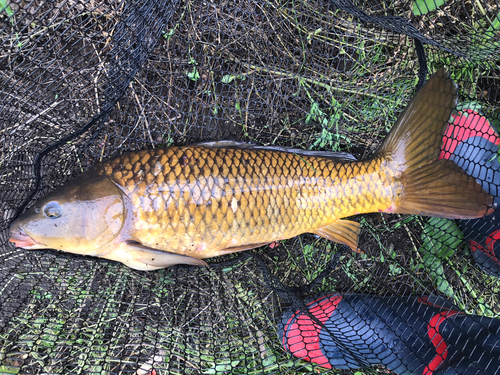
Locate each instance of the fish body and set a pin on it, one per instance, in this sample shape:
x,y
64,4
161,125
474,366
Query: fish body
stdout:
x,y
203,202
155,208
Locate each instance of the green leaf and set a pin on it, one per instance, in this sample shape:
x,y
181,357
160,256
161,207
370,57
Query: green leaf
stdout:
x,y
441,237
6,7
495,25
425,6
313,112
394,270
268,361
194,75
228,78
166,35
405,221
470,104
9,369
490,37
437,273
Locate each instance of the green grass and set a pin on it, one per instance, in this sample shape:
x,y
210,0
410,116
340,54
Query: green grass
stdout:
x,y
48,332
117,330
436,263
341,112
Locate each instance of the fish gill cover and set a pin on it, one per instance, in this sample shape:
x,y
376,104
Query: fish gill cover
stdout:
x,y
81,82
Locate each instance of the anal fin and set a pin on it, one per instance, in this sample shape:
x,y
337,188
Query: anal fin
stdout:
x,y
345,232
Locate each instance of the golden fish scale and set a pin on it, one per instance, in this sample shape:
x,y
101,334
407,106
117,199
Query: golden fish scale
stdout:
x,y
198,201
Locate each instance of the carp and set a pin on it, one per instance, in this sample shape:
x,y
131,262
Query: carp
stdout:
x,y
178,205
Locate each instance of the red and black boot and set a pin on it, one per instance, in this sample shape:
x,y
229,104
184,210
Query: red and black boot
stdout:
x,y
408,335
473,144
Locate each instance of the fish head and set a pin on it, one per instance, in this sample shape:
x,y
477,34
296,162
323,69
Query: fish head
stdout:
x,y
81,217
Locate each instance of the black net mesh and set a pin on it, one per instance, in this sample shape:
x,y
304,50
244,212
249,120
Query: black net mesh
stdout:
x,y
81,81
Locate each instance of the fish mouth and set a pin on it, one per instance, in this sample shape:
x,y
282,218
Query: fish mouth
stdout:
x,y
21,239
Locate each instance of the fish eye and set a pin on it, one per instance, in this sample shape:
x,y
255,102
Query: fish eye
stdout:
x,y
52,210
37,210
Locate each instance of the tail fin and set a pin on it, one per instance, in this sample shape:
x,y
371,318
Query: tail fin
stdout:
x,y
432,187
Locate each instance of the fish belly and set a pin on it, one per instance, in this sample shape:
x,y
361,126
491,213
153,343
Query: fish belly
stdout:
x,y
202,201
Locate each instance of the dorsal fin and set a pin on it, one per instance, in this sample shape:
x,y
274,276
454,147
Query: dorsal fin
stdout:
x,y
337,156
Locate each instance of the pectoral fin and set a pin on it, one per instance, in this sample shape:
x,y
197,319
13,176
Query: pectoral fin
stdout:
x,y
342,231
156,258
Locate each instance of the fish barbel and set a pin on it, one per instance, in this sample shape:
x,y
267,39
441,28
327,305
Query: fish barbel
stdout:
x,y
156,208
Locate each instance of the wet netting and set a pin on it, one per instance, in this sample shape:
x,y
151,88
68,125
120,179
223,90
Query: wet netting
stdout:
x,y
84,81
